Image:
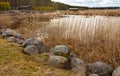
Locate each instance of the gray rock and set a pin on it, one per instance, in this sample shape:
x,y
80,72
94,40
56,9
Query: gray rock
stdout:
x,y
11,39
9,33
31,50
39,44
101,69
59,62
93,75
15,40
19,36
116,72
27,42
60,50
78,66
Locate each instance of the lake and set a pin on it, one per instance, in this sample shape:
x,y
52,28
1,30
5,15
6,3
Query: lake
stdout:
x,y
80,27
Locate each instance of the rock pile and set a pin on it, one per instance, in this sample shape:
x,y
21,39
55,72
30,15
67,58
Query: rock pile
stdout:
x,y
31,46
60,56
12,36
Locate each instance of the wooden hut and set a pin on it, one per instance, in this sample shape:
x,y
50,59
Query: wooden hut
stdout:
x,y
25,7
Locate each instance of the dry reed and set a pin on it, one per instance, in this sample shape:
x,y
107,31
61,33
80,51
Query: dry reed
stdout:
x,y
98,42
5,20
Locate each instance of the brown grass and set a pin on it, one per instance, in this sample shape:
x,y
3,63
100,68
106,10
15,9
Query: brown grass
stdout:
x,y
100,44
90,53
5,20
91,43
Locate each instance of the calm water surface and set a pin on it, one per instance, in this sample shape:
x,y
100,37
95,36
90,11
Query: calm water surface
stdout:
x,y
77,26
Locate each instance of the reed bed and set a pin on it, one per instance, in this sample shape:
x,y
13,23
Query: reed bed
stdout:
x,y
25,20
92,38
5,20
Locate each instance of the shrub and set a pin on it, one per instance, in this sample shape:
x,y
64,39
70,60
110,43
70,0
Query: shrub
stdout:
x,y
5,6
43,8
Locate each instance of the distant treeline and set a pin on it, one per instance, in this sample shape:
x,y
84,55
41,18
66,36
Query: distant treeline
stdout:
x,y
47,5
37,3
105,8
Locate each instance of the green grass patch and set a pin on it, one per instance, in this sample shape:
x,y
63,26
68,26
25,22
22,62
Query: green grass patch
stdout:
x,y
42,8
14,63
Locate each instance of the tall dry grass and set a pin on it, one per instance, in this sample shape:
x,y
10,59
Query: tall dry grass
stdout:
x,y
26,21
91,38
96,41
5,20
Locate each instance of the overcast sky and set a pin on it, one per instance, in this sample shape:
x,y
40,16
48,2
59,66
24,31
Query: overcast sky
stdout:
x,y
91,3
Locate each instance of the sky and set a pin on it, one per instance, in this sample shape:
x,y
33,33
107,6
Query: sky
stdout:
x,y
92,3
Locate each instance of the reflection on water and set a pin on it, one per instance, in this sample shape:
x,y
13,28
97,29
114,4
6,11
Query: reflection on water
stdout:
x,y
81,27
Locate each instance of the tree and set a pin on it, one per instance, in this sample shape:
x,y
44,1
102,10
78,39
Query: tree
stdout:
x,y
41,2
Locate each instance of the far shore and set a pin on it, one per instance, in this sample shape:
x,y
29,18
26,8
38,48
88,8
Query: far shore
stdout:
x,y
57,13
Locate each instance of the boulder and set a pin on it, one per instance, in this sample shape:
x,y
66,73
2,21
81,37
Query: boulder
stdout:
x,y
31,50
15,40
78,66
39,44
116,72
9,33
27,42
19,36
58,61
61,50
101,69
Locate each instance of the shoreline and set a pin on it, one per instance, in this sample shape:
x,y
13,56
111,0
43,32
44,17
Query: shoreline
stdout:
x,y
82,51
97,12
58,13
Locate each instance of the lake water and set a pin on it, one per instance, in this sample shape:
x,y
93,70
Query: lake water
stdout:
x,y
77,26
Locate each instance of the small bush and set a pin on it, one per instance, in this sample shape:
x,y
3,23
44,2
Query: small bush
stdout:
x,y
5,6
43,8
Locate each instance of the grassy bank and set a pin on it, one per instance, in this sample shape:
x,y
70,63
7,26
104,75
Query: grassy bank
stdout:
x,y
14,63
